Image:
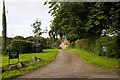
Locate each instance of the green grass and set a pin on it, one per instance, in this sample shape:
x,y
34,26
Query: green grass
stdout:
x,y
97,60
47,56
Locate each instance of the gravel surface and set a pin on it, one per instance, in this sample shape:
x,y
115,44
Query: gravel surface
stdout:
x,y
70,65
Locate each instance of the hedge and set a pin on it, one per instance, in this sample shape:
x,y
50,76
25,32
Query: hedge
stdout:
x,y
46,46
95,45
82,44
112,47
86,44
71,45
20,45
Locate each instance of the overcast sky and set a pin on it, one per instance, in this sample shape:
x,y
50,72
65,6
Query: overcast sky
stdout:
x,y
22,13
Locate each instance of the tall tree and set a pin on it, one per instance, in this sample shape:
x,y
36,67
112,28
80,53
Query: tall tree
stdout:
x,y
4,32
68,19
96,19
37,30
84,20
114,19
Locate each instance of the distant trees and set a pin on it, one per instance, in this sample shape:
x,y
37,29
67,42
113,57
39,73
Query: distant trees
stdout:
x,y
76,20
19,37
23,45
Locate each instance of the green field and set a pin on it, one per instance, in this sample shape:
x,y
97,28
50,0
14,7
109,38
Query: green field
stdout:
x,y
47,56
97,60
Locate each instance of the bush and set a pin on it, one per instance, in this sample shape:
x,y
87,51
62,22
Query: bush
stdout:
x,y
46,46
95,46
112,47
56,43
20,45
82,44
71,45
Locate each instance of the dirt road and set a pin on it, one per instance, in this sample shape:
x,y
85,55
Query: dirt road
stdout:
x,y
70,65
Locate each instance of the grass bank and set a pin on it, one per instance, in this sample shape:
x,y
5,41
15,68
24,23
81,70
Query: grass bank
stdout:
x,y
97,60
47,56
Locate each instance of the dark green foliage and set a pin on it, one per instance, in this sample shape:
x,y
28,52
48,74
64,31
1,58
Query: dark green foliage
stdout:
x,y
44,46
96,19
82,44
86,44
20,45
24,45
46,42
4,31
71,45
95,46
19,38
112,47
84,20
56,43
31,39
87,22
69,20
37,28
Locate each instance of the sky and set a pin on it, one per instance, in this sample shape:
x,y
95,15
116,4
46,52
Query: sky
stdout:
x,y
21,14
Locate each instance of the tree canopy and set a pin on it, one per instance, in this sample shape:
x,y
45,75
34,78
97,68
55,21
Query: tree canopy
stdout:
x,y
75,20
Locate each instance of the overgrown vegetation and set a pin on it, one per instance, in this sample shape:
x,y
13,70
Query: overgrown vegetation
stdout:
x,y
87,23
24,45
112,46
20,45
47,56
84,20
96,46
97,60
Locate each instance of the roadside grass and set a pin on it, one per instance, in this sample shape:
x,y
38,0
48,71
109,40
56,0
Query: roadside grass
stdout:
x,y
47,56
97,60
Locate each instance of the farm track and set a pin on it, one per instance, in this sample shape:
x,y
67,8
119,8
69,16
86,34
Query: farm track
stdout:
x,y
70,65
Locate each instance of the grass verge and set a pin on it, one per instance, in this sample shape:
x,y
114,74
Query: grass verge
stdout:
x,y
47,56
97,60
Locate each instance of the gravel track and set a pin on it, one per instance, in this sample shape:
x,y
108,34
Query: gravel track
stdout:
x,y
70,65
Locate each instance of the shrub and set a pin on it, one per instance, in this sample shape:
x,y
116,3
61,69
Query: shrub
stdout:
x,y
46,46
20,45
112,47
95,46
71,45
82,44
